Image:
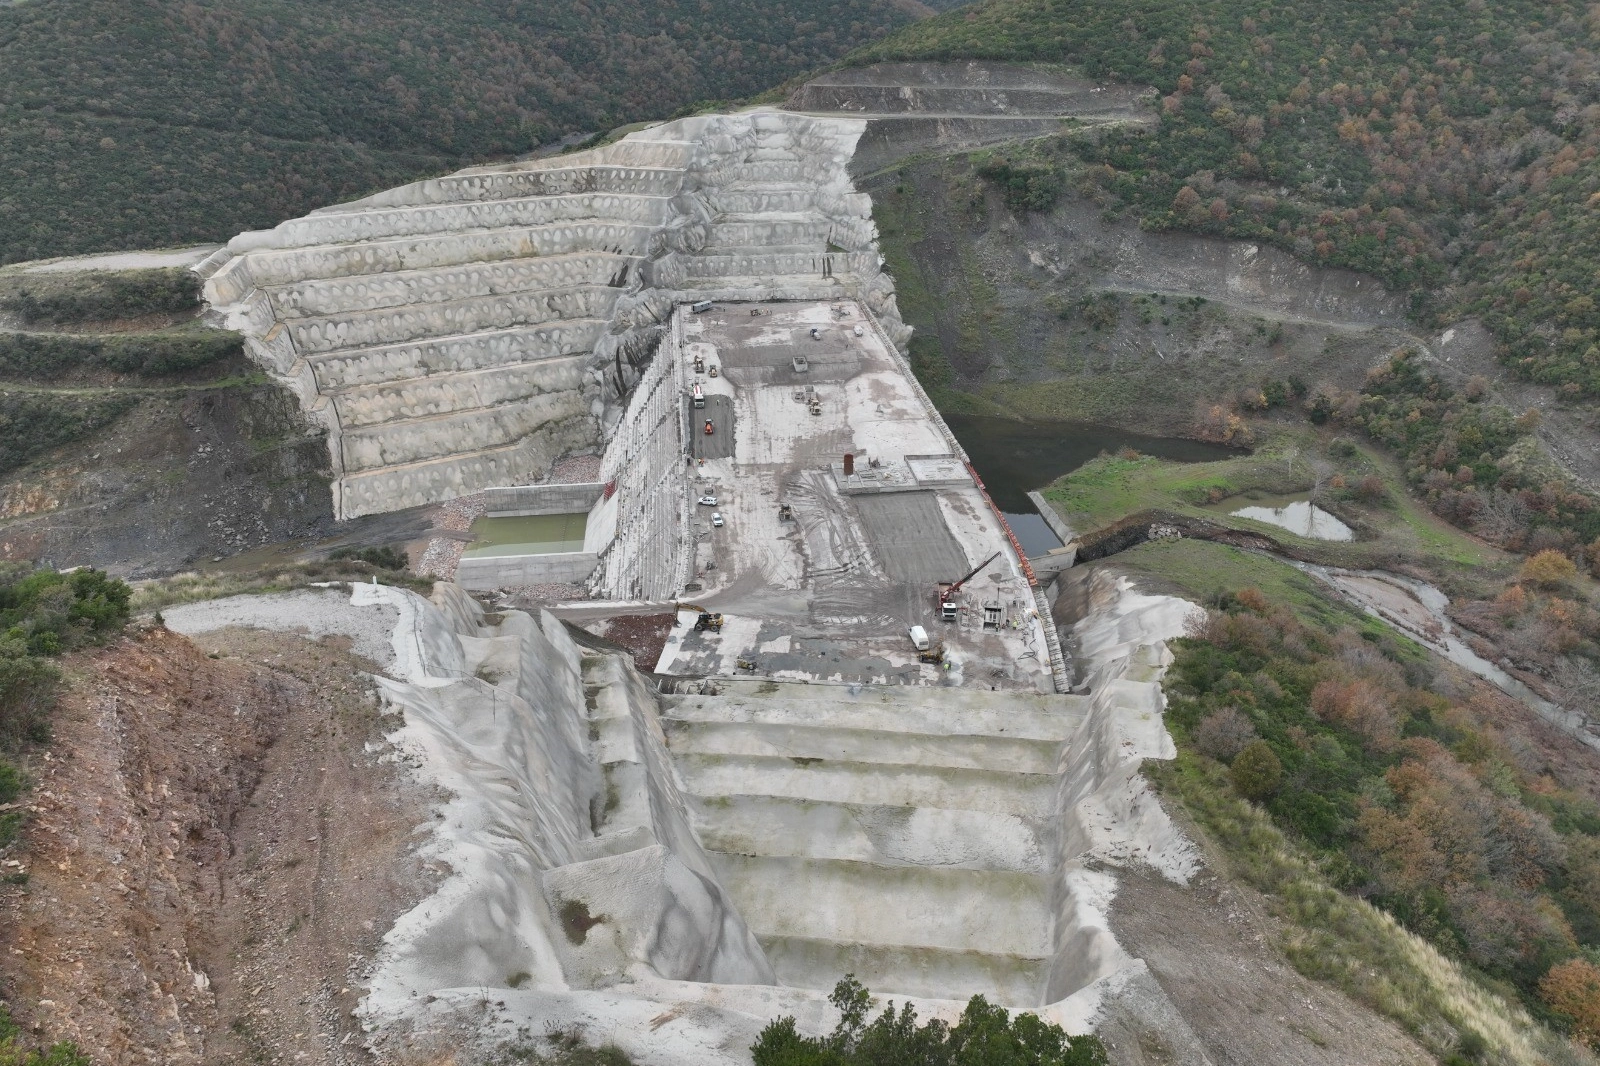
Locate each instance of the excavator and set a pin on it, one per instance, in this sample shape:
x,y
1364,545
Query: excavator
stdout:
x,y
948,604
705,620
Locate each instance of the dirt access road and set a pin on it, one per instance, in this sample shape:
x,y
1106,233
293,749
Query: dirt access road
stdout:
x,y
212,856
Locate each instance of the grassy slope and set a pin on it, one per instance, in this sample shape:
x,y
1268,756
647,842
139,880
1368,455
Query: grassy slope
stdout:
x,y
1394,530
149,123
1451,149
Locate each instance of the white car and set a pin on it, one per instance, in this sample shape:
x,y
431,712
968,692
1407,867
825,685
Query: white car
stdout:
x,y
708,501
716,519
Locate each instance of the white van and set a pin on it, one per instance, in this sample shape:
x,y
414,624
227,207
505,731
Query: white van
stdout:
x,y
919,638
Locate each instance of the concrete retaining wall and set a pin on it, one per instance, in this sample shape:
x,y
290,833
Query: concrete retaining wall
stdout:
x,y
557,568
542,499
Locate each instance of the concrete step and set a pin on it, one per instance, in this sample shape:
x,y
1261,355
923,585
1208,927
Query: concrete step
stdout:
x,y
885,836
808,740
382,223
442,394
398,325
324,264
373,491
872,784
384,364
898,709
433,436
815,962
483,184
993,912
450,282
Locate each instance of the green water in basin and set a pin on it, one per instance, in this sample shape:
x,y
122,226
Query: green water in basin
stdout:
x,y
541,534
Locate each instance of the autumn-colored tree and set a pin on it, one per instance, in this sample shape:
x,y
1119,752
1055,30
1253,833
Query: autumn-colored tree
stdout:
x,y
1573,989
1548,569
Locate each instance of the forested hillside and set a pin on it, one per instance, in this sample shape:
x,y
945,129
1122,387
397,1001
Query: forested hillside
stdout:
x,y
1448,147
141,123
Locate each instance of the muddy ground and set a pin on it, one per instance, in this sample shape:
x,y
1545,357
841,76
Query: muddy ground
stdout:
x,y
212,856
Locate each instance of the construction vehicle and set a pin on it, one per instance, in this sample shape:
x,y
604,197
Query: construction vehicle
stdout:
x,y
705,619
949,605
747,665
785,513
710,429
928,651
698,395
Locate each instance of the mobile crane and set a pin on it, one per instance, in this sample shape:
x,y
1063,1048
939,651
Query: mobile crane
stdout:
x,y
948,604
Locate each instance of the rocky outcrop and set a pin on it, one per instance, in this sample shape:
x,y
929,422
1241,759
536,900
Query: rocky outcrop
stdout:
x,y
465,331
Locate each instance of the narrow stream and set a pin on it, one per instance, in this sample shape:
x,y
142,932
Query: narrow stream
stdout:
x,y
1015,458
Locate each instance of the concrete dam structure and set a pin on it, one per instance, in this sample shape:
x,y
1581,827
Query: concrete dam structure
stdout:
x,y
669,870
668,855
463,332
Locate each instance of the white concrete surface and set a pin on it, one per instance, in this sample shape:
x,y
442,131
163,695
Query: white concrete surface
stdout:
x,y
830,594
466,331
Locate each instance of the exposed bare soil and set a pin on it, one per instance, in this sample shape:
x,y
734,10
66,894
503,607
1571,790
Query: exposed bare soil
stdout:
x,y
213,853
1211,948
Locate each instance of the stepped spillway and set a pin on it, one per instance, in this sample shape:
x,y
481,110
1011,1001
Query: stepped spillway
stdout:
x,y
899,834
464,332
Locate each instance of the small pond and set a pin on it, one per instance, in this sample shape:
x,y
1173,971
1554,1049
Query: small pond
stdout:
x,y
1300,517
1015,458
542,534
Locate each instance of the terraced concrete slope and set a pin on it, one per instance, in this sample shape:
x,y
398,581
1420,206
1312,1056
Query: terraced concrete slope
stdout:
x,y
901,834
465,331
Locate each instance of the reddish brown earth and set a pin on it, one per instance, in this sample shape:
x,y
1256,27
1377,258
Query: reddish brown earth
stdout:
x,y
212,854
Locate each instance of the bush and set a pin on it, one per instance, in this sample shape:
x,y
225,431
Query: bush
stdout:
x,y
1224,734
43,356
385,558
43,613
12,1053
985,1036
32,423
1256,772
62,299
1548,569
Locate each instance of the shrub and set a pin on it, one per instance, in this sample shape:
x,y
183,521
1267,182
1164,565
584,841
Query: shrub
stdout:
x,y
385,558
1256,772
62,299
986,1035
1548,569
12,1053
1572,988
1224,734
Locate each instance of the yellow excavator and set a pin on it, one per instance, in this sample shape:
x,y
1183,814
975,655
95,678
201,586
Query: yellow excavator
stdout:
x,y
705,620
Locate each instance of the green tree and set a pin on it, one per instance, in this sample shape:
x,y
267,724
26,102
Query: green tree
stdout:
x,y
986,1035
1256,771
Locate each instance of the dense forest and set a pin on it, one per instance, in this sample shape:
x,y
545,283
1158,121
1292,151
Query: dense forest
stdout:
x,y
145,123
1420,795
1450,148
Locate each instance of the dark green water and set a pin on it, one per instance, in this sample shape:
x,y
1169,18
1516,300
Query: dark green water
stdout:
x,y
1015,458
